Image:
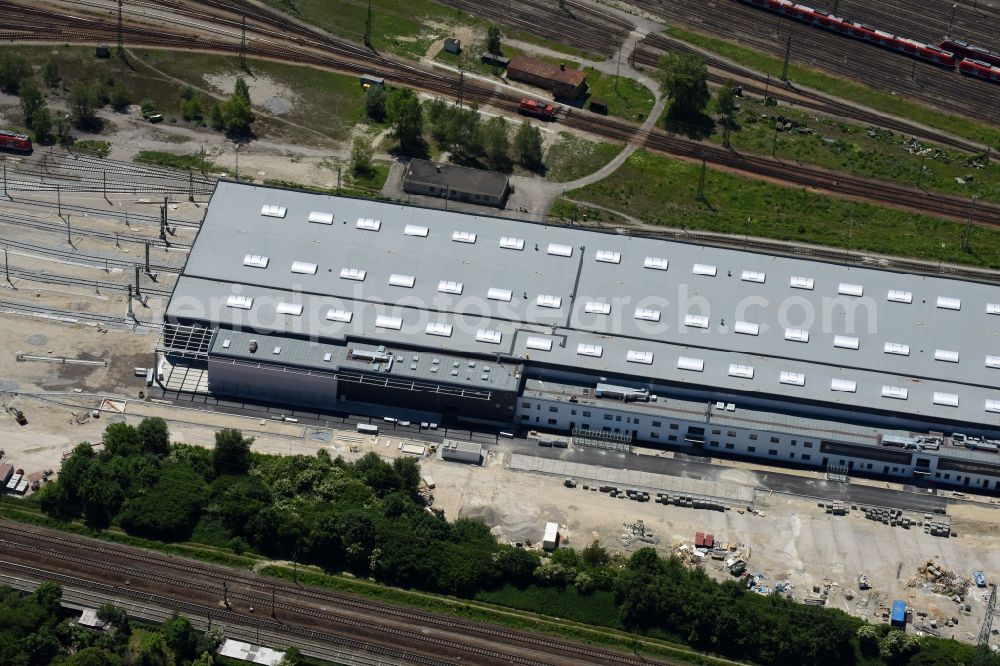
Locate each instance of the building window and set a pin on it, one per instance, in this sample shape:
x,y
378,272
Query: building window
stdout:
x,y
654,435
772,452
753,438
795,442
673,426
752,449
552,421
656,424
808,445
937,475
947,476
792,455
553,409
774,440
572,412
606,428
731,433
869,465
672,438
607,417
618,418
806,456
729,445
525,417
526,405
715,444
716,432
538,407
586,414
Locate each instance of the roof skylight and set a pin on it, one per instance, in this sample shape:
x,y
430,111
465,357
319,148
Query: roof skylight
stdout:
x,y
746,328
463,237
369,224
644,357
319,217
273,210
740,370
450,287
497,294
656,263
647,314
558,250
589,350
692,364
415,230
848,289
343,316
949,303
844,385
255,261
304,267
511,243
753,276
387,321
608,256
796,335
541,344
488,336
798,282
400,280
548,301
897,296
704,269
792,378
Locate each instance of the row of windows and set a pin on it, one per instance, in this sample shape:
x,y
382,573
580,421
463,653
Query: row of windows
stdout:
x,y
655,424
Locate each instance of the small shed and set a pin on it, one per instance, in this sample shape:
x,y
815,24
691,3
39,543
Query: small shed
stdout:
x,y
598,105
102,51
897,617
456,183
89,619
551,539
493,59
459,451
368,80
452,45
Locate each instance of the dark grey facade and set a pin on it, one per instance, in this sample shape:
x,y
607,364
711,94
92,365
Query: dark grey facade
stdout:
x,y
456,183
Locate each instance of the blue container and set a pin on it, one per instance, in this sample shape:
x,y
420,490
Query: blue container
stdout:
x,y
898,616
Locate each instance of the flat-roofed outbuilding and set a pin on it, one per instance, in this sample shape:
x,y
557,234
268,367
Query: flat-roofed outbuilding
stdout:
x,y
456,183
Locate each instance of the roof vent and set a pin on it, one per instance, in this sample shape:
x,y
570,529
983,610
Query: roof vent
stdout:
x,y
792,378
946,399
255,261
848,289
541,344
589,350
799,282
319,217
895,392
740,370
488,336
949,303
747,328
558,250
796,335
598,307
844,385
692,364
415,230
273,210
656,263
253,346
644,357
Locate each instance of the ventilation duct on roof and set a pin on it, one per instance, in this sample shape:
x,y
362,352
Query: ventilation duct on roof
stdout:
x,y
656,263
644,357
319,217
792,378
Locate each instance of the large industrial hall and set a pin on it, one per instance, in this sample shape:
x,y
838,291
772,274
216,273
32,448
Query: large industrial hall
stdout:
x,y
340,303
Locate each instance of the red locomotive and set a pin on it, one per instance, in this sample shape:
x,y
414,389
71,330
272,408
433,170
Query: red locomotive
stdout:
x,y
966,50
538,109
980,69
823,19
16,142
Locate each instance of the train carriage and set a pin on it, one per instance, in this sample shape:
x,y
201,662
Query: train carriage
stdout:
x,y
980,69
12,141
964,49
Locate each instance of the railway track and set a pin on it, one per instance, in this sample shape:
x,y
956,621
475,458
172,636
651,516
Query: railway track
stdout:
x,y
791,173
258,592
61,229
879,68
73,316
44,277
653,46
127,218
84,259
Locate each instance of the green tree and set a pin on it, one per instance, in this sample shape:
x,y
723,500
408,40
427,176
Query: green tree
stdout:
x,y
242,90
119,97
14,69
41,125
232,452
496,143
361,156
493,39
528,142
63,133
181,637
191,109
292,657
594,556
114,617
375,103
896,647
725,99
121,439
238,116
216,119
868,637
50,74
205,659
48,596
31,101
684,78
404,111
154,437
408,471
92,656
83,106
187,92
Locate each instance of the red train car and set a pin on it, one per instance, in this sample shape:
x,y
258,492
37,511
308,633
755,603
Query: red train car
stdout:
x,y
538,109
16,142
971,51
980,69
822,19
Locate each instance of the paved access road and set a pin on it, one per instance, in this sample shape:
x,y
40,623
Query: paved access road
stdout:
x,y
692,468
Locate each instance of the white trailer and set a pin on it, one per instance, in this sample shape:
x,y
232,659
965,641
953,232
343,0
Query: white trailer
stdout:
x,y
551,539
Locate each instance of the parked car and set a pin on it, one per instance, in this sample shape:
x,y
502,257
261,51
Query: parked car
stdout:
x,y
979,578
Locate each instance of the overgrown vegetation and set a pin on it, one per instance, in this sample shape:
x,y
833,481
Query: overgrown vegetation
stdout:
x,y
34,630
663,191
189,162
842,88
573,157
366,518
